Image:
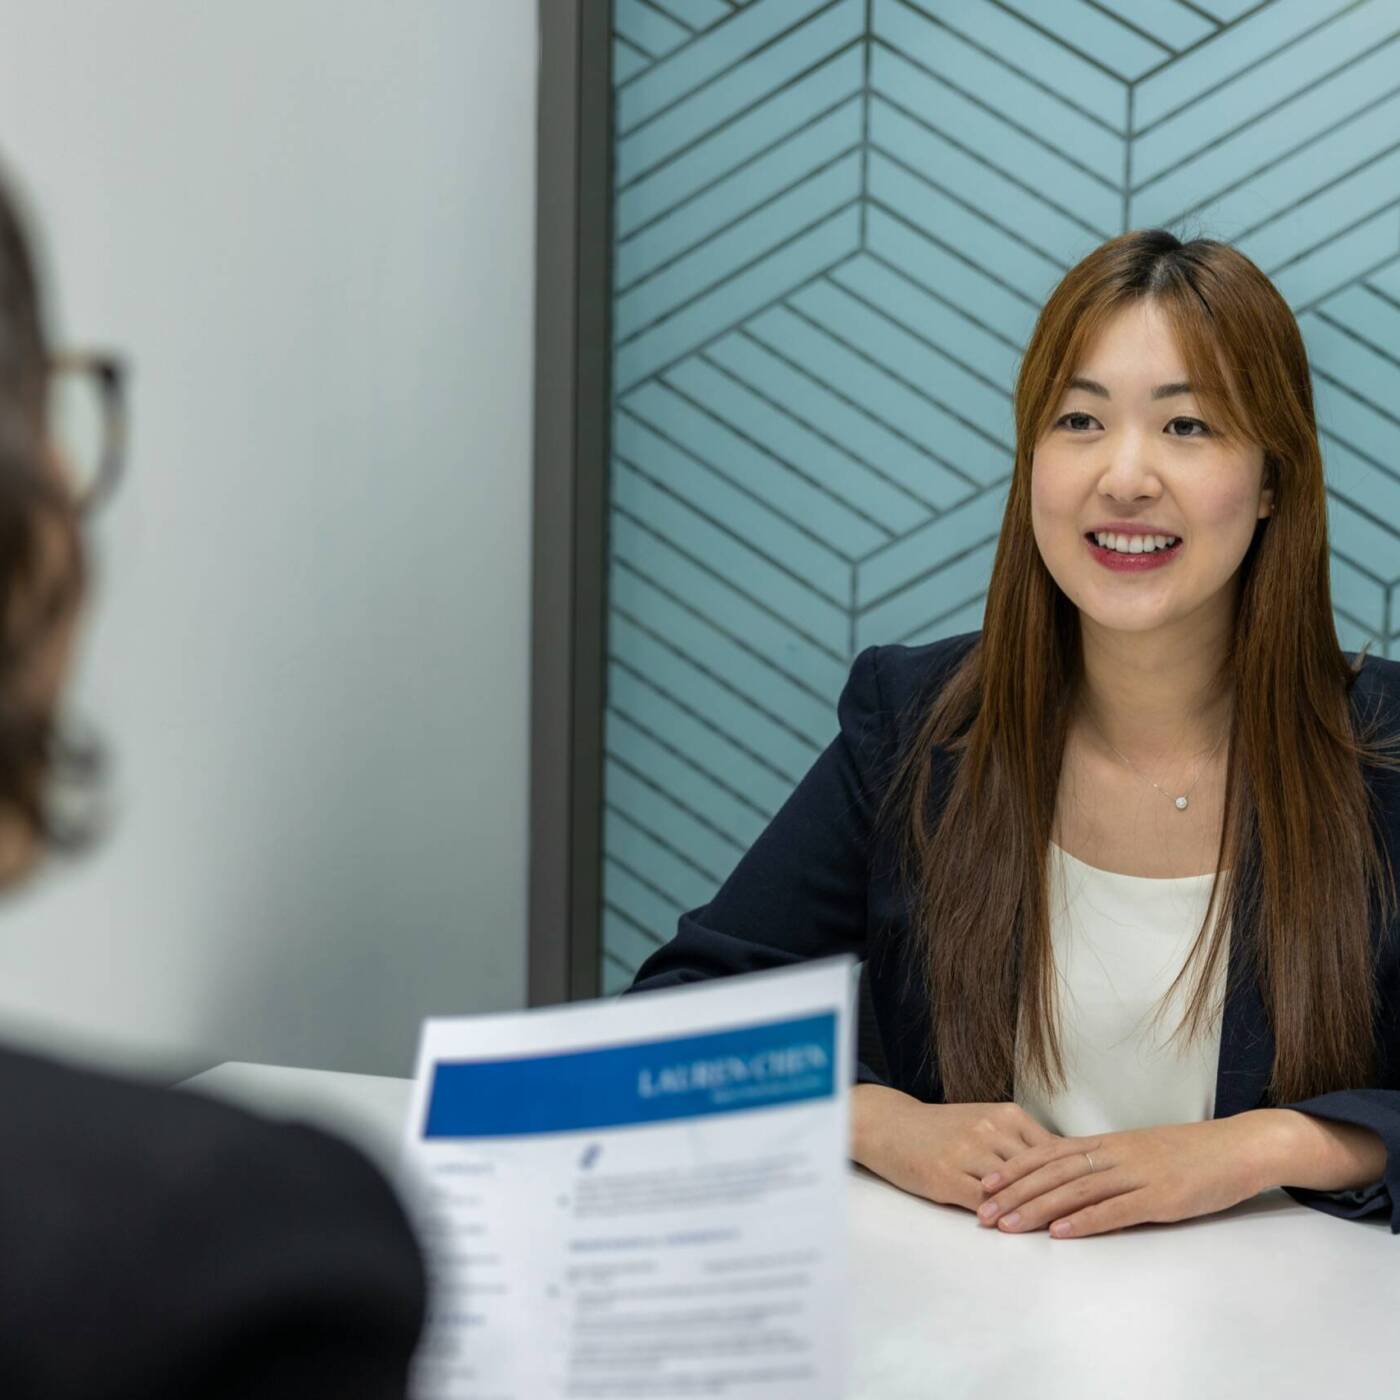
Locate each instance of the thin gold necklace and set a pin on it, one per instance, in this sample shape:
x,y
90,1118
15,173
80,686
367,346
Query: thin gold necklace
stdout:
x,y
1183,801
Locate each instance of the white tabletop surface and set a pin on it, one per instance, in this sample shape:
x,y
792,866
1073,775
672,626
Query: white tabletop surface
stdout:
x,y
1269,1299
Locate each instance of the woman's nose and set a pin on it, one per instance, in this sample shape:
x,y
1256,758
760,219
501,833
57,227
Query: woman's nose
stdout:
x,y
1130,477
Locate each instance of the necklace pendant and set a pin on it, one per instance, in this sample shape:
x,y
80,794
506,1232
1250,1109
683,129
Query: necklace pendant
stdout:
x,y
1181,804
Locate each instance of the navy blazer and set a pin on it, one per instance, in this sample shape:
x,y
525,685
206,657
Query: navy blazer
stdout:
x,y
812,885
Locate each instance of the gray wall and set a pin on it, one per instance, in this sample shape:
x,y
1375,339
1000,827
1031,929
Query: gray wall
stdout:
x,y
310,226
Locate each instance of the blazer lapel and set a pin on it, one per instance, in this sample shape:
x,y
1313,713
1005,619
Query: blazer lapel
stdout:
x,y
1246,1037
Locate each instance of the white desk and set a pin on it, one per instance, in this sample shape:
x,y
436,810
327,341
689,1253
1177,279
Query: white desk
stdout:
x,y
1269,1299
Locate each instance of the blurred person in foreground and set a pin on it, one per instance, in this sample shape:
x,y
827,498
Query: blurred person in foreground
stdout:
x,y
152,1244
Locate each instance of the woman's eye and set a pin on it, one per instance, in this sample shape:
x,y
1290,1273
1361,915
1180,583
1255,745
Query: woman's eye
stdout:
x,y
1205,432
1068,416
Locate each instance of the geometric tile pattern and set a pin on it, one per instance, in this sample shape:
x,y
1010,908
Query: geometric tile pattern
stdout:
x,y
834,222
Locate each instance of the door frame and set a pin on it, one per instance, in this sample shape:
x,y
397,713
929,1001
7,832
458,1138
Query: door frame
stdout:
x,y
573,344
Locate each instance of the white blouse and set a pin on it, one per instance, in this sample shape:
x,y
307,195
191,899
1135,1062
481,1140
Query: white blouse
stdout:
x,y
1118,942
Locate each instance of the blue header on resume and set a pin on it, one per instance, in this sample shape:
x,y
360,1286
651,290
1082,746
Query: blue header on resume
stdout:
x,y
731,1071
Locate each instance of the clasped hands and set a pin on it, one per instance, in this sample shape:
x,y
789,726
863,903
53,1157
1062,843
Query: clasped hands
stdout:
x,y
996,1160
1143,1175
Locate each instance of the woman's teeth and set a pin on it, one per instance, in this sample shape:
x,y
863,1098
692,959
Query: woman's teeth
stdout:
x,y
1135,544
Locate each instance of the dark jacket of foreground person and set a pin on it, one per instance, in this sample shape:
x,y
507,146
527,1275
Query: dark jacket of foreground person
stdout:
x,y
156,1244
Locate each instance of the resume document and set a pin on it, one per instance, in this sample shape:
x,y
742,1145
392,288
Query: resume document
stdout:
x,y
640,1197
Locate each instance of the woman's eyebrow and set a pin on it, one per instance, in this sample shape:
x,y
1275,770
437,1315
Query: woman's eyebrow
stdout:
x,y
1162,391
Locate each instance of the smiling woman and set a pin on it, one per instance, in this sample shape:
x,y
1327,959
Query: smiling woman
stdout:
x,y
1226,647
1152,785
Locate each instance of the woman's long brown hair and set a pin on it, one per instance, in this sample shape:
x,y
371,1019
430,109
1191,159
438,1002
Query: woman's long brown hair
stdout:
x,y
1299,861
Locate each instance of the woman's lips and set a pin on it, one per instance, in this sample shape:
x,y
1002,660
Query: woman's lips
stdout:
x,y
1132,563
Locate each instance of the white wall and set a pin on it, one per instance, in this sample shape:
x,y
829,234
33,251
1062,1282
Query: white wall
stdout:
x,y
309,224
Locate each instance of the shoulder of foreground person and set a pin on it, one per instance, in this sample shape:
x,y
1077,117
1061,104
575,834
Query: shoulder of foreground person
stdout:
x,y
158,1243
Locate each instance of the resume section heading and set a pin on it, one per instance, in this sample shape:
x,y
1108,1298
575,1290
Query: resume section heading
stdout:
x,y
760,1066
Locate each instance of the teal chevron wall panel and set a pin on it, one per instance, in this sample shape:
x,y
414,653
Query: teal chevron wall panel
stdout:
x,y
834,222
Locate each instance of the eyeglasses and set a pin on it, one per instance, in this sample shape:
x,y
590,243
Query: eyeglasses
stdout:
x,y
87,422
